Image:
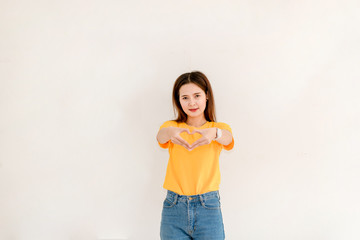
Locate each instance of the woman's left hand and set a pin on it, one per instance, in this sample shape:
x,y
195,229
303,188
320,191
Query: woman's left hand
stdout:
x,y
208,134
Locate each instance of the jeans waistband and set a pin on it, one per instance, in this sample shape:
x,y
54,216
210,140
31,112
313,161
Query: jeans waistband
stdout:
x,y
173,196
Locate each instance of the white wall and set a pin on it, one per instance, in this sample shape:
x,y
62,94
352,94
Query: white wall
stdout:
x,y
85,85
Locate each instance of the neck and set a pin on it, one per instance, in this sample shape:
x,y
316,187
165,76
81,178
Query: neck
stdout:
x,y
196,122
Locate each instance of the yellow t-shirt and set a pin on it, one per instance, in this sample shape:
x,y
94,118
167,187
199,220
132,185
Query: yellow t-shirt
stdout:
x,y
197,171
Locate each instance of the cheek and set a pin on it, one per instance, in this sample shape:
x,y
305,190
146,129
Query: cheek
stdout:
x,y
182,104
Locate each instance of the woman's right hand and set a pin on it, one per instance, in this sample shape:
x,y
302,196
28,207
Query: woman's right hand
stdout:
x,y
174,133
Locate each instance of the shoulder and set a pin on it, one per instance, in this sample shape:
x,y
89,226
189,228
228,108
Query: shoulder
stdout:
x,y
169,123
222,125
226,126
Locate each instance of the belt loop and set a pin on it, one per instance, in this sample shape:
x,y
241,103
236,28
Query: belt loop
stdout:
x,y
172,195
217,192
175,198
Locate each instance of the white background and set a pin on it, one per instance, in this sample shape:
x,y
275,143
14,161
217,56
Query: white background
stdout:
x,y
85,86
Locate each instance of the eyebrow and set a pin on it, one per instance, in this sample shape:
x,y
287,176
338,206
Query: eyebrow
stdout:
x,y
194,94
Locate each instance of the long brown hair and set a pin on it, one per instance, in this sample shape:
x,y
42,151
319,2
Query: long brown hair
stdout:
x,y
201,81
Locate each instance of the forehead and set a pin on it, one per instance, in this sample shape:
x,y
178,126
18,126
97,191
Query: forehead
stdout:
x,y
190,89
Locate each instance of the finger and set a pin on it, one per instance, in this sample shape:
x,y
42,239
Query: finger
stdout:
x,y
195,131
179,138
182,141
187,130
187,146
201,141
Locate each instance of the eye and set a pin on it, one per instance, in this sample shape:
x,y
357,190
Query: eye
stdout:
x,y
197,95
184,97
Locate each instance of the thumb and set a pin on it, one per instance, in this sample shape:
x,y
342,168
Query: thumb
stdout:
x,y
196,131
186,130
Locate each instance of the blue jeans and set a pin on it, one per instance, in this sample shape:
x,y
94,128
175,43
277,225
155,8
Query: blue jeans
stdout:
x,y
195,217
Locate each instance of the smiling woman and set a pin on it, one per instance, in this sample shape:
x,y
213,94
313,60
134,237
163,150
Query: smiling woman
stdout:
x,y
193,91
192,179
193,102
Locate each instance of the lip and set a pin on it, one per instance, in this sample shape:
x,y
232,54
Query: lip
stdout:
x,y
193,110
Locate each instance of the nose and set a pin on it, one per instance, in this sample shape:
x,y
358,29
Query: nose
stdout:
x,y
191,105
191,102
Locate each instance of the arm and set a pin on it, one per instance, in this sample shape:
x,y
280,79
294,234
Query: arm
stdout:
x,y
172,134
226,137
163,135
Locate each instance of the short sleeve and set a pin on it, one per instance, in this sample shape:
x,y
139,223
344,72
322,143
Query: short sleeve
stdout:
x,y
170,123
226,127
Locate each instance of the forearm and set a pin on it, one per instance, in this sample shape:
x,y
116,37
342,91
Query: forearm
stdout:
x,y
163,135
226,137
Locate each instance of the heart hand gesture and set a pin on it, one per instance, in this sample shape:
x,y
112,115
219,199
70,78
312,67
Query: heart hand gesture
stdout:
x,y
177,139
208,134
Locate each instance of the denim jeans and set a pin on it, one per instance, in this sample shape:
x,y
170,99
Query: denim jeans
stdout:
x,y
195,217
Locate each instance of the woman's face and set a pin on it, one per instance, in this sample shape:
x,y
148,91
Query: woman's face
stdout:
x,y
192,97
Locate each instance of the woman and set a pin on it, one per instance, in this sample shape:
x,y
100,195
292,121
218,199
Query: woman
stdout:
x,y
192,209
